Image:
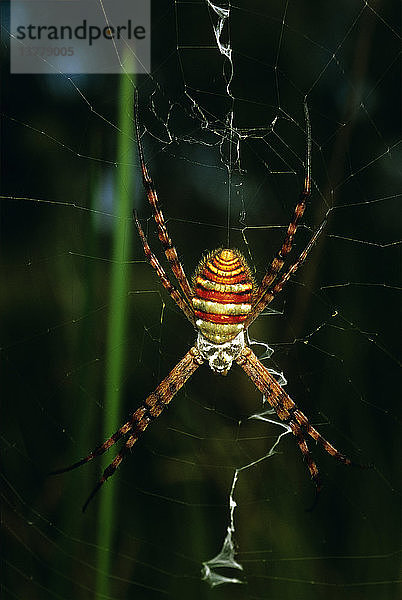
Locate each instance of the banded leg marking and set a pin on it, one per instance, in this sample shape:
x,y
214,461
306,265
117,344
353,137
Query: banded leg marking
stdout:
x,y
155,264
169,249
265,292
142,417
300,207
287,411
270,294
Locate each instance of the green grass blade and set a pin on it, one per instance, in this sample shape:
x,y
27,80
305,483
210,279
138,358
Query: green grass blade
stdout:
x,y
117,326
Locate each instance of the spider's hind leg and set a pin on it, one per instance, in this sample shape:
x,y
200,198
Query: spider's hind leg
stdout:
x,y
110,469
143,416
312,432
310,462
288,412
100,449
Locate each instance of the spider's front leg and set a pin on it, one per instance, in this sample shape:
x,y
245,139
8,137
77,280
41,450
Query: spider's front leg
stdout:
x,y
287,411
262,297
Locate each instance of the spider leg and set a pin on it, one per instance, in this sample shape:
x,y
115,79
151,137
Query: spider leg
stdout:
x,y
312,432
155,264
278,262
102,448
110,469
169,249
287,411
270,294
142,417
311,465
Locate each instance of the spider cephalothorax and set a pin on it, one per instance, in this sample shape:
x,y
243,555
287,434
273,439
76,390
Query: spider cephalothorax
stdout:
x,y
220,356
221,304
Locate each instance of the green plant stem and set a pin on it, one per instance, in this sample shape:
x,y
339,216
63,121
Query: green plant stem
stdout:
x,y
117,326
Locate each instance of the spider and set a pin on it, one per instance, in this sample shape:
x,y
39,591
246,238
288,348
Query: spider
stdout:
x,y
221,304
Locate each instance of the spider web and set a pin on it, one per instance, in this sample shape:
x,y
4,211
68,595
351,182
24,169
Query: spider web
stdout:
x,y
215,492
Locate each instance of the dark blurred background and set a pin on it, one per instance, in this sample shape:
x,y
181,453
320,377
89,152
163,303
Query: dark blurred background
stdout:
x,y
335,331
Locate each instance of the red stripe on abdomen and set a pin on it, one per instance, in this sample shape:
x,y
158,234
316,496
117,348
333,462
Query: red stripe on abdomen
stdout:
x,y
212,318
223,297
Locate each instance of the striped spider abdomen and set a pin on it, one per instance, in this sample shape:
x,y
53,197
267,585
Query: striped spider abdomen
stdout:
x,y
223,290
